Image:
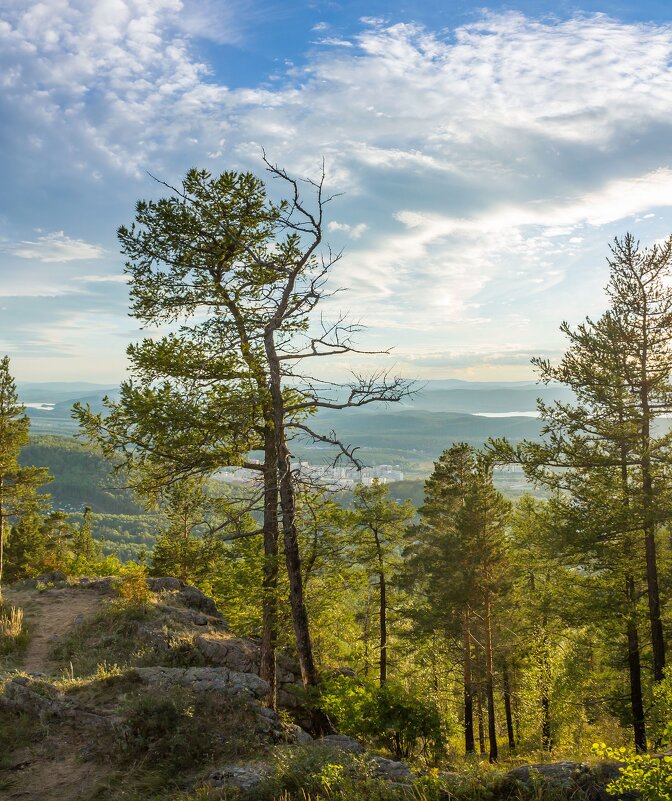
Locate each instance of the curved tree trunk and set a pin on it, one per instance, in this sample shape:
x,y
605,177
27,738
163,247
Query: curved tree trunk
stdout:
x,y
269,633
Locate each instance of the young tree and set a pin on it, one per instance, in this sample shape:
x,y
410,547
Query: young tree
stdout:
x,y
379,524
18,485
457,563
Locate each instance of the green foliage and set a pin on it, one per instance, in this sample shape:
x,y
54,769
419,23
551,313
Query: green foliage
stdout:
x,y
184,729
133,587
319,774
82,476
648,776
662,710
18,485
389,715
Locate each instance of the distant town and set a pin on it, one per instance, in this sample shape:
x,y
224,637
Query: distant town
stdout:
x,y
328,475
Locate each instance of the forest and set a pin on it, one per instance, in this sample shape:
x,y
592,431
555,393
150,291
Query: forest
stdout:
x,y
467,628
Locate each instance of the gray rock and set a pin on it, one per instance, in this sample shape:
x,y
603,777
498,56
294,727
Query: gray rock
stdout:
x,y
340,742
241,777
164,583
229,652
47,703
103,584
299,736
390,769
189,616
52,577
566,778
195,599
203,679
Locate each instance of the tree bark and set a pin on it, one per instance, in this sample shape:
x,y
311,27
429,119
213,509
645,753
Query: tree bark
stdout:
x,y
382,587
636,702
507,707
489,681
309,675
383,628
469,744
653,592
269,632
479,702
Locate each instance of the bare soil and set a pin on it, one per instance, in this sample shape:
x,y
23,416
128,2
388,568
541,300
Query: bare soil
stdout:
x,y
50,615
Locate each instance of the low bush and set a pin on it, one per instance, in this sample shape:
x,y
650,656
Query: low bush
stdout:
x,y
390,715
648,775
181,730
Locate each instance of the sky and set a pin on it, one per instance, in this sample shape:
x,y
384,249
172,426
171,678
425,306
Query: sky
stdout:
x,y
484,156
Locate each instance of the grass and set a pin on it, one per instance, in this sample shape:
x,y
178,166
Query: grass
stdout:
x,y
13,636
126,634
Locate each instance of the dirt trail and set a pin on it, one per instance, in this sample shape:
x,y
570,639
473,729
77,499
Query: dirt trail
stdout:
x,y
50,615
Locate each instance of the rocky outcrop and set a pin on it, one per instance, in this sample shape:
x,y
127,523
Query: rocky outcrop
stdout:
x,y
244,656
46,702
203,679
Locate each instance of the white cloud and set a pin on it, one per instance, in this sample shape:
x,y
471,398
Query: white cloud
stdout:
x,y
477,164
353,231
103,279
55,247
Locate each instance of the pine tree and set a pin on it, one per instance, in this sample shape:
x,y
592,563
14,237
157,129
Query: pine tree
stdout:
x,y
18,485
379,523
457,565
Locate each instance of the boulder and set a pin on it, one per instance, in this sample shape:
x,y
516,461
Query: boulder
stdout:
x,y
103,584
572,779
193,598
391,770
339,742
164,583
229,652
240,777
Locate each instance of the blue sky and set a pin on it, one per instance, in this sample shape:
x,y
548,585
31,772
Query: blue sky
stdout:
x,y
487,155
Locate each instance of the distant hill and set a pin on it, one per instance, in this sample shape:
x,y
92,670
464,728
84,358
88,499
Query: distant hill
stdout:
x,y
447,396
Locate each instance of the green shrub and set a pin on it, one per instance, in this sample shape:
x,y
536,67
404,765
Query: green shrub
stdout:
x,y
181,729
389,715
321,774
648,775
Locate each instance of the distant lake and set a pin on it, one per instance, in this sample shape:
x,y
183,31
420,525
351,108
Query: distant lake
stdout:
x,y
45,407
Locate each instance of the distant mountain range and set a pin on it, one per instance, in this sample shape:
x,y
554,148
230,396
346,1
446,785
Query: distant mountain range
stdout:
x,y
410,433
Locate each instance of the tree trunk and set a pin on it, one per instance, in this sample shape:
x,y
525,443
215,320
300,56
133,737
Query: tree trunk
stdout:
x,y
269,632
653,593
636,703
479,702
546,732
507,707
382,586
383,628
489,681
469,744
546,735
309,675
